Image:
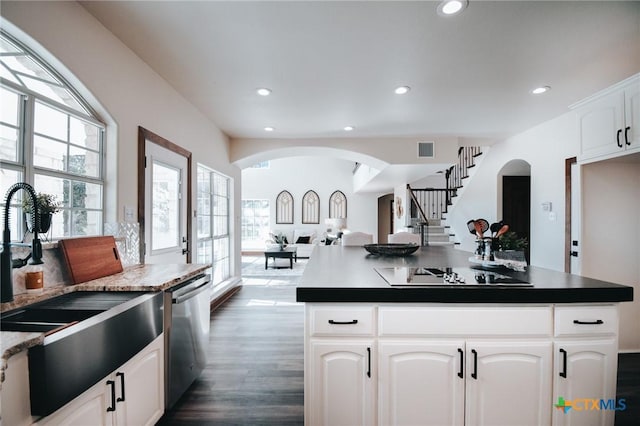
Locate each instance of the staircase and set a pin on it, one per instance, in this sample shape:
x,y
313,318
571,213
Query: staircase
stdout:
x,y
429,205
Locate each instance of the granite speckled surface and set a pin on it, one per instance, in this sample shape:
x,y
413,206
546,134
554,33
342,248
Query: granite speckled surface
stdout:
x,y
133,278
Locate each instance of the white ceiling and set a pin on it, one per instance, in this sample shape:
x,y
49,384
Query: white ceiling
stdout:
x,y
332,64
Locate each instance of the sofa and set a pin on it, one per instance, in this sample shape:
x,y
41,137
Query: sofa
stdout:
x,y
303,239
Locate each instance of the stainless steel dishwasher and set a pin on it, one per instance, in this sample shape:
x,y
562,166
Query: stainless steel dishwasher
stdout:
x,y
186,319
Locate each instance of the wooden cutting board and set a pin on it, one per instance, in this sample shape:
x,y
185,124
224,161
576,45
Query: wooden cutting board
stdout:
x,y
91,257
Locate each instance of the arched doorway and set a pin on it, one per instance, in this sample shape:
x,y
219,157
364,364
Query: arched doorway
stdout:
x,y
514,184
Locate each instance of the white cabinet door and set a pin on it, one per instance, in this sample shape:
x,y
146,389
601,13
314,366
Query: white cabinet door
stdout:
x,y
342,383
508,382
601,126
584,371
89,409
140,387
632,116
421,383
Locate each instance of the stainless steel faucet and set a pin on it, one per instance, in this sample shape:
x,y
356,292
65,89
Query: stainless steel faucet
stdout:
x,y
7,263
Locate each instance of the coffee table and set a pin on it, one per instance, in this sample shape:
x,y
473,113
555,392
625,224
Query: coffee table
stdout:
x,y
286,253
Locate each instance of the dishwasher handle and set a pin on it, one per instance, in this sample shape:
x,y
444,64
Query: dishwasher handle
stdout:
x,y
190,290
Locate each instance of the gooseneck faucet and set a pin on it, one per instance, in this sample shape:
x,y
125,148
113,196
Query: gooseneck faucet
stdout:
x,y
6,261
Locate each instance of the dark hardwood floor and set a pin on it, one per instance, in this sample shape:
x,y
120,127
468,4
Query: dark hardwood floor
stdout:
x,y
255,370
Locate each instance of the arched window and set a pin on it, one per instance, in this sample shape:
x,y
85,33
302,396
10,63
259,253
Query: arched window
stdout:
x,y
50,138
310,207
284,208
338,205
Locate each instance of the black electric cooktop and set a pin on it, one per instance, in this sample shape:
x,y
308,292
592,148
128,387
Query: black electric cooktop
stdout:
x,y
446,276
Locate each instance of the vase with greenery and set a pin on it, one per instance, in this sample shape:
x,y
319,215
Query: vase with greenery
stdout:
x,y
47,206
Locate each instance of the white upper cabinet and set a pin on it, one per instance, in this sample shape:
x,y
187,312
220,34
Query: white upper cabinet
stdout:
x,y
608,122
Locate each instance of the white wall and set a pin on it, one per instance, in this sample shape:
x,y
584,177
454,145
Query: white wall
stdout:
x,y
324,175
545,148
127,92
610,246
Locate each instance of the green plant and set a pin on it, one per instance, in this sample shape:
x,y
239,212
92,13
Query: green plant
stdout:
x,y
279,238
47,203
511,241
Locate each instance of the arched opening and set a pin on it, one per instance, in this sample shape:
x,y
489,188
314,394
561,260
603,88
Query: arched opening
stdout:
x,y
514,199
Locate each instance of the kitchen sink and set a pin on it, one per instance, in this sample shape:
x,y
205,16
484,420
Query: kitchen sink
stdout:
x,y
62,311
88,335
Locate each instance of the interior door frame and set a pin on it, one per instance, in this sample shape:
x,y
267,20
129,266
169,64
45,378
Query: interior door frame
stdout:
x,y
143,136
567,212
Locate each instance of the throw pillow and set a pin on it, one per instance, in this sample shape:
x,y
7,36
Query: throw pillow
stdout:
x,y
303,240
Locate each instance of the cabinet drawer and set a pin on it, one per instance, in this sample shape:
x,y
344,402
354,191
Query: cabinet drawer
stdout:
x,y
341,320
589,320
465,321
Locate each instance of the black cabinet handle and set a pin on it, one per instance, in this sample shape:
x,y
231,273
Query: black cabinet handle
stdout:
x,y
121,375
618,138
113,395
563,373
368,362
343,322
475,364
626,135
461,371
596,322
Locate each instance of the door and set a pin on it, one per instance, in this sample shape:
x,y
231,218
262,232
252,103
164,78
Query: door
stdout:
x,y
508,383
343,384
516,206
584,370
421,383
164,199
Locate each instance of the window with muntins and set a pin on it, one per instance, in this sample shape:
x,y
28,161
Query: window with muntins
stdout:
x,y
214,240
51,139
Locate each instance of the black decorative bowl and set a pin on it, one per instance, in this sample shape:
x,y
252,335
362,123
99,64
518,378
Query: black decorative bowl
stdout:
x,y
391,249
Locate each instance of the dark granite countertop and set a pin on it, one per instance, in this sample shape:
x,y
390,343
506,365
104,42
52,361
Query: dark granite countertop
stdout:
x,y
347,274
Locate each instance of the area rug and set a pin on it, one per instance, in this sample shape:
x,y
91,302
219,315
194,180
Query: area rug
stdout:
x,y
253,266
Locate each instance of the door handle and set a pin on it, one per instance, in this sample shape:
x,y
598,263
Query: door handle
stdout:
x,y
626,135
121,398
475,364
461,371
618,133
368,362
113,395
563,373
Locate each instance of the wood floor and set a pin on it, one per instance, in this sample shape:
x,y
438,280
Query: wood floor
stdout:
x,y
255,370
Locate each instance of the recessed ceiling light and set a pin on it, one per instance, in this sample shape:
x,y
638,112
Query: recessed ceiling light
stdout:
x,y
269,129
348,128
540,90
263,91
452,7
402,90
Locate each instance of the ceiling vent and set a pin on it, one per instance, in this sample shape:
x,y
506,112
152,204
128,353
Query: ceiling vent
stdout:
x,y
425,149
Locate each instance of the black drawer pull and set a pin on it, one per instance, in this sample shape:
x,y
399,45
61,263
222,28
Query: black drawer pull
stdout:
x,y
368,362
618,133
626,135
121,398
563,373
113,395
475,364
461,371
596,322
343,322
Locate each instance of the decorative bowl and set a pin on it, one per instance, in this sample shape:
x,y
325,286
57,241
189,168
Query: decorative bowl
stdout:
x,y
398,249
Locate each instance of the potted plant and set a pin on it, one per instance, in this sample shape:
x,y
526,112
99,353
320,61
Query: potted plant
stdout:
x,y
47,206
511,241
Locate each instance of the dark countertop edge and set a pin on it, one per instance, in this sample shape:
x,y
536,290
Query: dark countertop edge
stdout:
x,y
470,295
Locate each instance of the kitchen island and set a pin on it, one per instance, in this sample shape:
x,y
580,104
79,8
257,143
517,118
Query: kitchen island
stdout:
x,y
457,353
